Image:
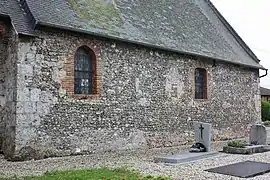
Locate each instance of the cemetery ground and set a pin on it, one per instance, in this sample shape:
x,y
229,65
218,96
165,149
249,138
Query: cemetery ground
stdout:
x,y
95,174
138,161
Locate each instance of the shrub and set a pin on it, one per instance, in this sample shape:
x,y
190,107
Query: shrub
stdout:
x,y
236,143
265,108
266,123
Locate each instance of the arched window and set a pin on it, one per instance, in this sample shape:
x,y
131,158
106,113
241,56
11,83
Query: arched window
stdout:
x,y
200,83
84,71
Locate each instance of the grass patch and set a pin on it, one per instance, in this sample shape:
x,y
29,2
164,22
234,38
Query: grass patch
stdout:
x,y
236,144
91,174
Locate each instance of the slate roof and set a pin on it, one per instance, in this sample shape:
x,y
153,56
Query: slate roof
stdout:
x,y
265,91
12,9
193,27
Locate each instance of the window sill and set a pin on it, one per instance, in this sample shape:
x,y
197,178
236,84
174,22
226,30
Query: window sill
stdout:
x,y
202,100
85,96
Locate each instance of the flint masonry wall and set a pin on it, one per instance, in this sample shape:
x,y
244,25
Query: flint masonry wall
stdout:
x,y
3,57
8,57
145,98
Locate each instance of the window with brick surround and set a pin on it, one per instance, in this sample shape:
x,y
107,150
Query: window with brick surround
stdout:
x,y
200,83
84,71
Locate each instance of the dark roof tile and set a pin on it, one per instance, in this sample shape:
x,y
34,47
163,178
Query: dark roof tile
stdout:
x,y
187,26
18,17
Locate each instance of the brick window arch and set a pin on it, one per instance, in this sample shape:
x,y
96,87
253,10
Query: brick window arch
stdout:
x,y
84,71
200,83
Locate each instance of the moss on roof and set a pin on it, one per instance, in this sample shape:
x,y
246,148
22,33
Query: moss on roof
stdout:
x,y
186,26
103,13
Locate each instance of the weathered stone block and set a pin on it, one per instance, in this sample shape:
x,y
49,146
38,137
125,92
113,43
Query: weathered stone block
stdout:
x,y
30,57
26,107
24,134
10,94
25,69
20,107
23,49
21,81
23,94
30,107
43,108
35,94
22,120
46,96
39,57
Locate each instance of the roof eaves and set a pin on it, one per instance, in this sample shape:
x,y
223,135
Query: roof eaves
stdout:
x,y
45,24
21,34
5,17
233,32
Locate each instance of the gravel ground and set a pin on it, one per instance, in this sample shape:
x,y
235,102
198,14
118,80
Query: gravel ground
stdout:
x,y
139,161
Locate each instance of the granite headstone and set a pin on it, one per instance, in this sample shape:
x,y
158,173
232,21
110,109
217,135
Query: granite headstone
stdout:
x,y
203,134
257,134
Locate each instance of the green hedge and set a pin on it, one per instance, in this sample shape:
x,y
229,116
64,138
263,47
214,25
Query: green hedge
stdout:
x,y
265,111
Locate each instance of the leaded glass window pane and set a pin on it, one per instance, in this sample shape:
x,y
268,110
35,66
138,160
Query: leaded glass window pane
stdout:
x,y
83,74
200,84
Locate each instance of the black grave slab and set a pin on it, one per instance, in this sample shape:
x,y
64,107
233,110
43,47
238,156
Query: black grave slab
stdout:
x,y
243,169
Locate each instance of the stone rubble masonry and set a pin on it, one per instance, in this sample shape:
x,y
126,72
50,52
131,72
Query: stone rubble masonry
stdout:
x,y
3,55
144,98
8,47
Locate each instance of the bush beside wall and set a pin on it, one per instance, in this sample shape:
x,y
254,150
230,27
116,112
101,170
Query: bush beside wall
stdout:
x,y
265,110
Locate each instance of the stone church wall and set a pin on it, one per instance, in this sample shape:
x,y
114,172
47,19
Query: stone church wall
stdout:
x,y
3,55
8,57
145,98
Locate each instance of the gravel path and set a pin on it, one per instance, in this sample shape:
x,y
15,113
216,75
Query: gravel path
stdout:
x,y
139,161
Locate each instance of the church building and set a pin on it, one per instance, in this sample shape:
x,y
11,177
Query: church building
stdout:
x,y
92,76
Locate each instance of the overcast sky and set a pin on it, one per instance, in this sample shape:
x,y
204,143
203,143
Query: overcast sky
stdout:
x,y
251,20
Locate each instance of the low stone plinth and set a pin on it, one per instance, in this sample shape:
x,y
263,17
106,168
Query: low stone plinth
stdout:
x,y
247,149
